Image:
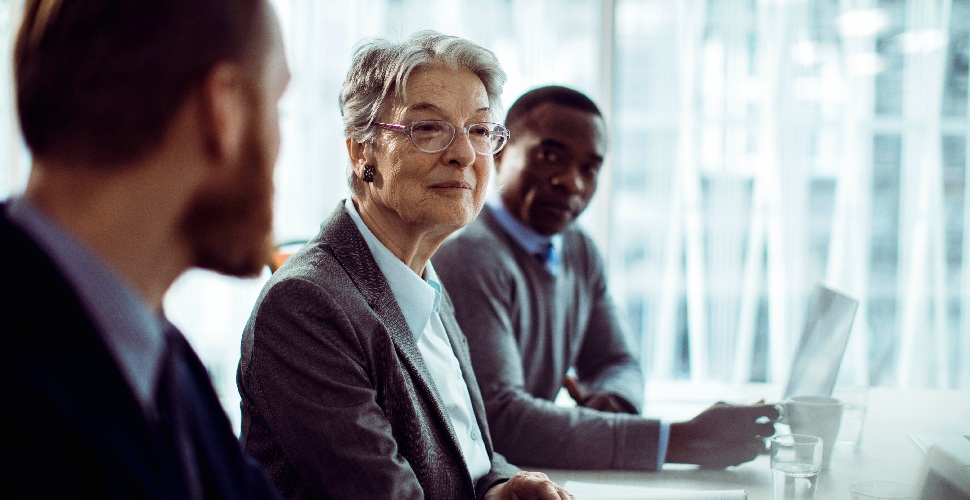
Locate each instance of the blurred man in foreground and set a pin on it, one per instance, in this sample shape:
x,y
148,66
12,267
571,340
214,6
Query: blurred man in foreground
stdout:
x,y
530,293
153,127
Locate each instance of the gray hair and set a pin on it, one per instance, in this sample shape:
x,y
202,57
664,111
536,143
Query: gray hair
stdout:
x,y
380,70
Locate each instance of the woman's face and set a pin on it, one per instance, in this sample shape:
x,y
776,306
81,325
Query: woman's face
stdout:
x,y
435,193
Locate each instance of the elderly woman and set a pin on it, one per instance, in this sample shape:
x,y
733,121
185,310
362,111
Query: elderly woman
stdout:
x,y
355,378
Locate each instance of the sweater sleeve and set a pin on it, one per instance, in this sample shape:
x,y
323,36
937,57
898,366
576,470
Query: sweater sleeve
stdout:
x,y
607,360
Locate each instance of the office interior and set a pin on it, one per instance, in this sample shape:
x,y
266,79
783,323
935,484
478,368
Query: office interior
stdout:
x,y
758,148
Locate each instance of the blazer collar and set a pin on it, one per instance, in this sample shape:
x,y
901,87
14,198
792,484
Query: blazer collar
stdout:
x,y
340,234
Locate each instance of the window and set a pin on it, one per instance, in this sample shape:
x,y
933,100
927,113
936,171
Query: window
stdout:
x,y
757,148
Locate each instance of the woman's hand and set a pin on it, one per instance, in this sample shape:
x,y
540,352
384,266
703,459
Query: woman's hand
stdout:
x,y
528,486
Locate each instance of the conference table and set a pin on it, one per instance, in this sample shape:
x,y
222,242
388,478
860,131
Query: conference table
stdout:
x,y
887,450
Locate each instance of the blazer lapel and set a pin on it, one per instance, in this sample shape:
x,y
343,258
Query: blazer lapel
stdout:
x,y
351,251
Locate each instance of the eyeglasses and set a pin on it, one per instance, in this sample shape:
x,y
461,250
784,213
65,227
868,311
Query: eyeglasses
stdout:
x,y
432,136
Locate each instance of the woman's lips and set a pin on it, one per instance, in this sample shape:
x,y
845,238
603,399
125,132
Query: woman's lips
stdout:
x,y
451,185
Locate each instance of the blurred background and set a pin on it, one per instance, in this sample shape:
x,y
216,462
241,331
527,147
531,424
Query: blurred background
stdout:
x,y
758,147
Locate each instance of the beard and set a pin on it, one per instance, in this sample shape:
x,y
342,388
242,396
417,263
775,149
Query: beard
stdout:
x,y
229,228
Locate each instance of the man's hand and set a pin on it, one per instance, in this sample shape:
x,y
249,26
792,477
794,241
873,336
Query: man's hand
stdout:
x,y
722,435
528,486
602,401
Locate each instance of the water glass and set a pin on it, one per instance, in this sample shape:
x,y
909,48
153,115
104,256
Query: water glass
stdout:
x,y
855,400
795,462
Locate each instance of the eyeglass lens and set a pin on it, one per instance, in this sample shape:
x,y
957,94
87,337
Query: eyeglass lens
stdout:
x,y
434,135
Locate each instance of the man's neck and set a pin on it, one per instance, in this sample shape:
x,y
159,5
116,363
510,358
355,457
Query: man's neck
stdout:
x,y
123,217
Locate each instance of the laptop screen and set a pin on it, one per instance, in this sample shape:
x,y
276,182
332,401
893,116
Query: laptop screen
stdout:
x,y
828,322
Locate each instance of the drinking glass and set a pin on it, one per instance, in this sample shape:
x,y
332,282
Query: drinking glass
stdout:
x,y
854,402
795,462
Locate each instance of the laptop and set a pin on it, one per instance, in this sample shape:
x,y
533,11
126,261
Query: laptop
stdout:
x,y
945,473
828,322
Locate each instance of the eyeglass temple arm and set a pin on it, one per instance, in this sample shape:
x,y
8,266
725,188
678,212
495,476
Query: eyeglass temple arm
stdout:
x,y
391,126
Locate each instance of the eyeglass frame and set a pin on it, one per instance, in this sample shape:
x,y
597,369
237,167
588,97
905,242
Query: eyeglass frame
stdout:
x,y
407,130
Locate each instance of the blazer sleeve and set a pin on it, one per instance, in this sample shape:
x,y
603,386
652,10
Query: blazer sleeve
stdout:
x,y
501,471
308,377
528,430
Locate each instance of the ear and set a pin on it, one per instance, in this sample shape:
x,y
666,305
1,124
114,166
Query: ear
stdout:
x,y
358,155
225,110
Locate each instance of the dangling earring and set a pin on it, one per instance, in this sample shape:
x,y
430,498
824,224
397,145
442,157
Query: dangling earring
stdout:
x,y
368,174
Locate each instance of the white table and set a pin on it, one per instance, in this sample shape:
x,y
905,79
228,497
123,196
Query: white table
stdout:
x,y
886,453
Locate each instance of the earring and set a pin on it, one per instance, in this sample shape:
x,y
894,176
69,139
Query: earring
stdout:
x,y
368,174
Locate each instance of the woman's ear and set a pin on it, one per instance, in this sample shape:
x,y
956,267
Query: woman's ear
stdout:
x,y
356,152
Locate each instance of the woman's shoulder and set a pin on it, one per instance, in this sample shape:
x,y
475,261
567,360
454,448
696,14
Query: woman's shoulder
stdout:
x,y
310,275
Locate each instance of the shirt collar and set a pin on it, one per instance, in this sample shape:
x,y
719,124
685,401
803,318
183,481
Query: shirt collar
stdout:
x,y
531,241
418,298
132,333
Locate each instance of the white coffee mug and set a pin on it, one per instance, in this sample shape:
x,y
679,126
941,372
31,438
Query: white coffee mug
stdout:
x,y
818,416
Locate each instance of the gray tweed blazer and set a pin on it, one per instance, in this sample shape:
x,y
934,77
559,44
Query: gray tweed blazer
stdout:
x,y
336,399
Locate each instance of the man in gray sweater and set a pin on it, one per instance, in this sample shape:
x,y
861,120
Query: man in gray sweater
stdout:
x,y
529,290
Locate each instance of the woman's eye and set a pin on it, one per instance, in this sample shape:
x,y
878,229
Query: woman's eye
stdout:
x,y
480,131
426,127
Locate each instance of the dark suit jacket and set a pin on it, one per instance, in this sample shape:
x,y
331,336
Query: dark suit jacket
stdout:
x,y
336,399
71,426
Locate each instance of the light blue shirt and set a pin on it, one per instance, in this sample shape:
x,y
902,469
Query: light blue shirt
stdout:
x,y
131,331
528,238
535,243
419,300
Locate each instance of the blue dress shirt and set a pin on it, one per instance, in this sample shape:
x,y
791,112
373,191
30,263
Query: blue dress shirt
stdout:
x,y
548,247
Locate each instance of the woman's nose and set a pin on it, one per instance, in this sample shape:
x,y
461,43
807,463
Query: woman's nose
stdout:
x,y
460,151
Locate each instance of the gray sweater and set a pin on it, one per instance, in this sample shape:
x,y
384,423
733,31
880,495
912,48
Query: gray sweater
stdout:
x,y
525,329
